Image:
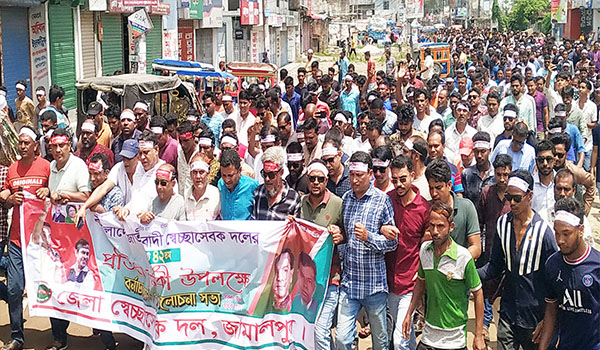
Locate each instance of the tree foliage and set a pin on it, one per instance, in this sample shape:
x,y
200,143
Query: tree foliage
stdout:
x,y
498,15
547,24
525,13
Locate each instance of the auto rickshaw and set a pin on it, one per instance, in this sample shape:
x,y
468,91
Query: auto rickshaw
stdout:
x,y
249,73
163,94
441,57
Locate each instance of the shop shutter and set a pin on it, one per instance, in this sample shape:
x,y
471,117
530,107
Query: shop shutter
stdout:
x,y
112,43
88,44
153,43
62,51
15,51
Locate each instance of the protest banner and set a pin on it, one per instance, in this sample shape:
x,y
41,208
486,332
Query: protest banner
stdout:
x,y
178,284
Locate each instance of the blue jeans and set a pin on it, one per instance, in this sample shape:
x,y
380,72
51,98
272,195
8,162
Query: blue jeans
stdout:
x,y
15,276
376,306
399,307
325,319
488,313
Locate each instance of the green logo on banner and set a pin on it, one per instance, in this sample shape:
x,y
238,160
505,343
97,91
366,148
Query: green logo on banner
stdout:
x,y
44,293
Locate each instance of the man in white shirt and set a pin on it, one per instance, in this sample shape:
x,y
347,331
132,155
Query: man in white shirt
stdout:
x,y
244,119
493,122
456,131
202,200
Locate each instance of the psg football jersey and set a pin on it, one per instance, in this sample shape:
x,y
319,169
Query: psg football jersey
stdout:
x,y
575,287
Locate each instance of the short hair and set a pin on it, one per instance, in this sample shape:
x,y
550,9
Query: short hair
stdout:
x,y
287,251
375,124
587,83
362,157
102,158
283,73
493,94
503,161
567,91
443,209
382,153
285,115
481,136
401,162
377,103
275,154
523,175
405,113
294,147
228,123
148,135
261,102
288,81
422,91
561,138
571,205
437,132
306,260
81,243
544,145
333,142
563,173
516,77
311,124
158,121
326,78
172,119
185,126
55,93
334,134
208,95
230,157
437,122
208,135
439,171
520,129
113,111
61,132
563,76
244,95
421,147
302,70
48,115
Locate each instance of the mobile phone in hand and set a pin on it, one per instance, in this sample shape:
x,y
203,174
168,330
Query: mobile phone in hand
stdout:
x,y
79,223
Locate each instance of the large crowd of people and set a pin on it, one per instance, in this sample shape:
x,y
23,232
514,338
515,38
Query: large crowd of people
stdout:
x,y
435,189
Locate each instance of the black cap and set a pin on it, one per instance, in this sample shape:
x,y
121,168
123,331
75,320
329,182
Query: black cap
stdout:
x,y
94,108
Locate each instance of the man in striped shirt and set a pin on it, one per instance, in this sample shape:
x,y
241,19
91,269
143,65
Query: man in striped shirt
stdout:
x,y
521,247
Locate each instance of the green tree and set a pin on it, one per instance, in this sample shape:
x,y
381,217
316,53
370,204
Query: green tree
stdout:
x,y
546,24
524,13
498,15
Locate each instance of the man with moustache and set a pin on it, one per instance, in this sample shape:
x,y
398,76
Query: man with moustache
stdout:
x,y
481,174
339,174
89,143
128,131
297,179
237,190
324,208
411,219
543,180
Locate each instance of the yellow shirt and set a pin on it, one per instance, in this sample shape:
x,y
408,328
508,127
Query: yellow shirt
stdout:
x,y
104,135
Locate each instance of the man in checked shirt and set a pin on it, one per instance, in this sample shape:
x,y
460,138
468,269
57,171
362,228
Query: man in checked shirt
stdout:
x,y
368,217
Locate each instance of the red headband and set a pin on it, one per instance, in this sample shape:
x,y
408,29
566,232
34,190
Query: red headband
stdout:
x,y
270,166
186,135
95,166
164,173
58,139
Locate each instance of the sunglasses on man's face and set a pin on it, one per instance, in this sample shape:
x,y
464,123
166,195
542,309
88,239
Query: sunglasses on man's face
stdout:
x,y
517,198
319,179
328,160
380,169
270,175
547,159
559,155
294,165
163,183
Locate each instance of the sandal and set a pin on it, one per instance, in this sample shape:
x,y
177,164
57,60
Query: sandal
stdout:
x,y
364,332
13,345
57,346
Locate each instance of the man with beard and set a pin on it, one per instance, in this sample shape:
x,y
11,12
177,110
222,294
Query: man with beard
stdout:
x,y
492,123
443,107
386,117
490,207
324,208
457,131
96,112
362,143
237,190
349,97
411,219
284,124
128,131
466,230
543,180
571,276
541,107
89,144
481,174
525,103
274,199
28,174
312,142
229,110
343,122
526,242
509,116
295,162
561,143
406,116
476,109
